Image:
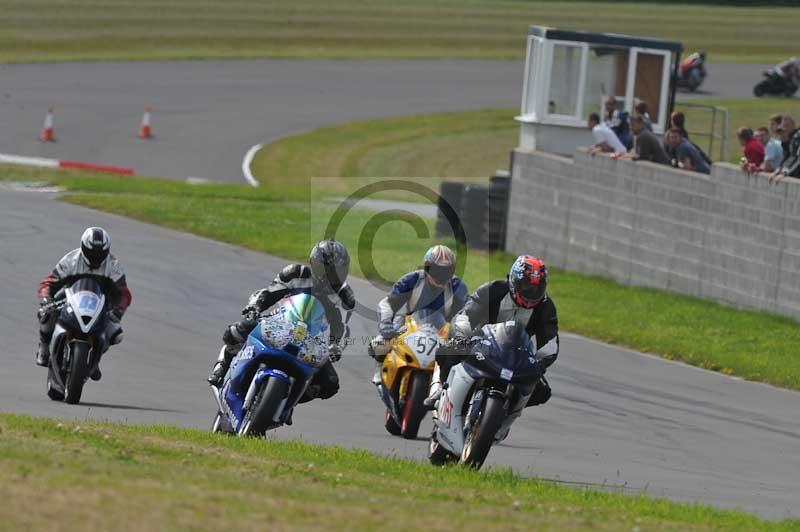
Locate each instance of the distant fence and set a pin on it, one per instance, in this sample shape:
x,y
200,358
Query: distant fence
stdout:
x,y
712,132
724,236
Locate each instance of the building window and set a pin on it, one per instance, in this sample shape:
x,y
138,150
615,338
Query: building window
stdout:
x,y
564,80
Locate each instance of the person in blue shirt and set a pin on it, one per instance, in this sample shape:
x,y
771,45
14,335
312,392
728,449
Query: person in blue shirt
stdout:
x,y
434,287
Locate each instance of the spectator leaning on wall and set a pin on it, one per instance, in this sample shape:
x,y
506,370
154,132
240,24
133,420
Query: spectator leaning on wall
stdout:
x,y
752,150
791,163
646,146
773,151
618,122
641,111
774,124
605,139
687,155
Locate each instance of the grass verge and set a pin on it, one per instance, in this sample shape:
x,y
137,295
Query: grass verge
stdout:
x,y
754,345
53,30
466,146
127,477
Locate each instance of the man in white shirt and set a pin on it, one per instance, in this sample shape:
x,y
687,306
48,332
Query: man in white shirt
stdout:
x,y
606,140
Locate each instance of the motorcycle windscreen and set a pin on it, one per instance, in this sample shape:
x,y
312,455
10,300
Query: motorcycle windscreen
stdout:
x,y
504,357
86,304
429,317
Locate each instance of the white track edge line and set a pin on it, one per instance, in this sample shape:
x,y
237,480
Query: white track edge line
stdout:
x,y
29,161
247,161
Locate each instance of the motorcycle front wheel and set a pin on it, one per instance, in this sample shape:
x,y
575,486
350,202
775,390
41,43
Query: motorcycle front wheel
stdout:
x,y
259,417
77,372
760,89
414,410
480,438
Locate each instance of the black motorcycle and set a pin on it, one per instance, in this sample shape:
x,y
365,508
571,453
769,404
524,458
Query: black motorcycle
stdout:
x,y
478,400
775,84
79,338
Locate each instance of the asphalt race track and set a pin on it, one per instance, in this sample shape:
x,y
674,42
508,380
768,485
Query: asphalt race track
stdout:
x,y
618,419
207,114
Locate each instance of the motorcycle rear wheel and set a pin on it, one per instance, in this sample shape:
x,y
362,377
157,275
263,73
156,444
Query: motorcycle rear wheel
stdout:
x,y
390,426
259,416
414,411
52,393
438,455
481,437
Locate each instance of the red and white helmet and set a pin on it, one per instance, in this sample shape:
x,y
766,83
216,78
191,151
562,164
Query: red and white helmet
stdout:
x,y
440,265
527,281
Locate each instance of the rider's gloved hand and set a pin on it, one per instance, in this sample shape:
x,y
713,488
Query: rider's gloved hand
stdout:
x,y
250,312
116,314
334,352
388,331
42,313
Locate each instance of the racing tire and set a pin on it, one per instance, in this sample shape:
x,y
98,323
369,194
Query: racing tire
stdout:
x,y
77,372
481,437
390,426
414,410
259,417
759,90
438,455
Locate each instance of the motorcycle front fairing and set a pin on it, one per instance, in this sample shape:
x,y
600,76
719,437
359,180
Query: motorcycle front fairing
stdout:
x,y
511,367
255,362
83,317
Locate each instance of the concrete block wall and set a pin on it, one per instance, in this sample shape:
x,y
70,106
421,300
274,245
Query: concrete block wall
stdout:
x,y
725,236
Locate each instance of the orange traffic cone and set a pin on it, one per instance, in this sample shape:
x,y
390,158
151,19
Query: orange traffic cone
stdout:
x,y
47,129
144,127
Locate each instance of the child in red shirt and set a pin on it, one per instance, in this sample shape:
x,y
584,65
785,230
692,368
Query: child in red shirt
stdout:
x,y
752,150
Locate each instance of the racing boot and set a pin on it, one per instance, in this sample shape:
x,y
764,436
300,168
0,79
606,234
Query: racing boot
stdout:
x,y
96,374
226,354
376,378
435,390
43,354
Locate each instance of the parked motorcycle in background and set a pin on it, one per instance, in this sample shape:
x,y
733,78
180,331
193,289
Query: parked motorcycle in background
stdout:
x,y
483,395
407,369
692,71
273,369
79,338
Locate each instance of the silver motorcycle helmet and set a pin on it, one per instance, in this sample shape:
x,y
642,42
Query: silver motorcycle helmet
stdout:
x,y
330,264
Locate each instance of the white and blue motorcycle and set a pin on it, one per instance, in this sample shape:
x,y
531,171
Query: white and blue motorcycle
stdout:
x,y
271,372
79,338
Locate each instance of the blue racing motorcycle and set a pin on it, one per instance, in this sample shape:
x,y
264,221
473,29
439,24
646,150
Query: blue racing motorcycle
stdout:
x,y
271,372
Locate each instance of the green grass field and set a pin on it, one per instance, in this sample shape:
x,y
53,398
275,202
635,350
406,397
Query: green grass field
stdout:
x,y
467,145
754,345
68,475
58,30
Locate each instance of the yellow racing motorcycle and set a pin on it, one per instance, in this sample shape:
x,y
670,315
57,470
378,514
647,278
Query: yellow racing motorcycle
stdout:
x,y
406,371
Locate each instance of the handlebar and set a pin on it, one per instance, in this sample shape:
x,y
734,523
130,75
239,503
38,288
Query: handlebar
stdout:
x,y
53,306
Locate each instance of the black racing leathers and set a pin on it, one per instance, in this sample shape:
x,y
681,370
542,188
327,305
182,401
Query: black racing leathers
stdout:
x,y
492,303
296,279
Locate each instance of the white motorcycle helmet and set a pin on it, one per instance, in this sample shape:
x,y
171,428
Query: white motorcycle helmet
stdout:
x,y
95,246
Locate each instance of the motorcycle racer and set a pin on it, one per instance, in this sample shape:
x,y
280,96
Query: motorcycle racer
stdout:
x,y
435,286
92,259
324,278
521,298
